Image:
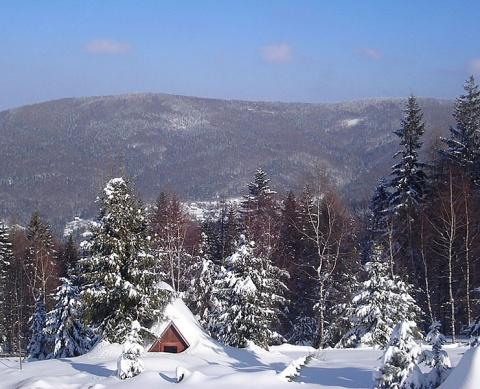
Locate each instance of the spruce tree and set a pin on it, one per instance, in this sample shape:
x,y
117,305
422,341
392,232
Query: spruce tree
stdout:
x,y
409,179
68,336
408,188
38,345
120,284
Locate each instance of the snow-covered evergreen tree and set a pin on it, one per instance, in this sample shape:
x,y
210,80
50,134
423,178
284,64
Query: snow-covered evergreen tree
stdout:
x,y
68,256
259,213
67,335
200,295
409,179
259,192
436,358
408,188
381,302
464,141
249,293
120,284
38,345
377,223
473,333
128,364
399,369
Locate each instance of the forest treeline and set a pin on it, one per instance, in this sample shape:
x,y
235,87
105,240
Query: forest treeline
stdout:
x,y
303,267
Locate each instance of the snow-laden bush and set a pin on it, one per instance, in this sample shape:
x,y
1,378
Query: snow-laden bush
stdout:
x,y
436,358
128,364
399,367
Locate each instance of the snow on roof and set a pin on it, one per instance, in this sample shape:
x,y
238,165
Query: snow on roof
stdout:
x,y
178,313
466,374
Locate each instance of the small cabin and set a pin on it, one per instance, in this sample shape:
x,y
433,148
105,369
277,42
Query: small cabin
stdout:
x,y
170,341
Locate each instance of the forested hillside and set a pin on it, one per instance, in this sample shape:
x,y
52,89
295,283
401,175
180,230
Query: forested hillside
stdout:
x,y
56,155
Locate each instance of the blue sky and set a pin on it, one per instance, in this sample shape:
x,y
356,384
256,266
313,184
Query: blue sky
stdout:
x,y
274,50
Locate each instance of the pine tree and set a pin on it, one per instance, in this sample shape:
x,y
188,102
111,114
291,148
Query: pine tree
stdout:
x,y
120,284
436,358
380,303
464,141
399,367
128,364
38,345
249,293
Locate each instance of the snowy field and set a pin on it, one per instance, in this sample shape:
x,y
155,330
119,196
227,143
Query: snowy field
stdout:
x,y
203,366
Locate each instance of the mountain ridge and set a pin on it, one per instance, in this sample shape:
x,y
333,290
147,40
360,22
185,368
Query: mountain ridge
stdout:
x,y
58,153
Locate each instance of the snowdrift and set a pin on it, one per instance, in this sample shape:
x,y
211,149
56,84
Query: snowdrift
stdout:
x,y
467,373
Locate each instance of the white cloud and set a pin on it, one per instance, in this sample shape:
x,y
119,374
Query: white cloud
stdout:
x,y
474,66
277,52
106,46
368,52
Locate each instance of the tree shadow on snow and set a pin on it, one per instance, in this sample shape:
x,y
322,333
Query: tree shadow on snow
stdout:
x,y
97,370
246,360
350,377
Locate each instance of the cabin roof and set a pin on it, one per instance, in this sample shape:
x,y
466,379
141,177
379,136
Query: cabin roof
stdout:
x,y
177,332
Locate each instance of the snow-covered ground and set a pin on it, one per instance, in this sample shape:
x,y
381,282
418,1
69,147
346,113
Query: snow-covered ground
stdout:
x,y
209,366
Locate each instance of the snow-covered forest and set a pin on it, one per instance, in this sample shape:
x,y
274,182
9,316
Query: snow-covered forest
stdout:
x,y
303,268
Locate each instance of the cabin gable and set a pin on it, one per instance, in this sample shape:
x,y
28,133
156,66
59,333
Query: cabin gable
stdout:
x,y
170,341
